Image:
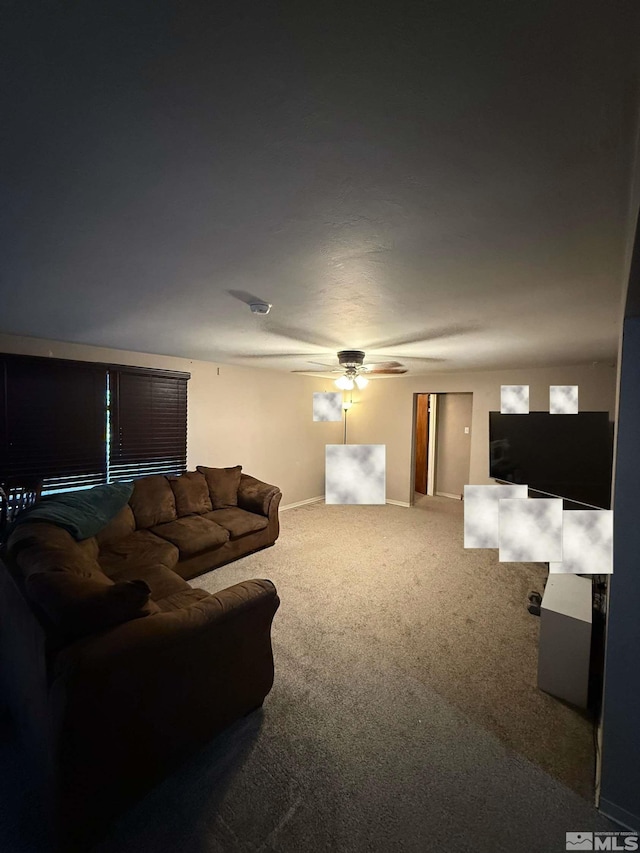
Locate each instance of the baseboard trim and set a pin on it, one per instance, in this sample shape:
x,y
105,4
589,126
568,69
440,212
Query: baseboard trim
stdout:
x,y
449,495
302,503
619,815
321,498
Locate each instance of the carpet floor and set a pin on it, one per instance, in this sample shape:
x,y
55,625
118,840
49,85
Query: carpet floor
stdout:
x,y
404,716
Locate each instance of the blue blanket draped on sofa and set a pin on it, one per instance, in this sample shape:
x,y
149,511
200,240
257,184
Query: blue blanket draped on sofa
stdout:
x,y
82,513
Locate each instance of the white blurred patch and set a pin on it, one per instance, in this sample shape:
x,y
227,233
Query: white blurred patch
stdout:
x,y
563,399
530,531
514,399
355,474
327,406
482,510
587,543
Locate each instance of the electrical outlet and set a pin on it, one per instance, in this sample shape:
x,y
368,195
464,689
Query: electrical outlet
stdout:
x,y
466,430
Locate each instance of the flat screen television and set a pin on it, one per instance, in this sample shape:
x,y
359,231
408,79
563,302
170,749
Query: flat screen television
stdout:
x,y
568,456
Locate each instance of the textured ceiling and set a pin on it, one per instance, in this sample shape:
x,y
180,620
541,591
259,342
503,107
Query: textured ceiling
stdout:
x,y
443,183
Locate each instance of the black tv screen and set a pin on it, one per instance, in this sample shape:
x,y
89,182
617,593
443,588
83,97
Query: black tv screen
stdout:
x,y
569,456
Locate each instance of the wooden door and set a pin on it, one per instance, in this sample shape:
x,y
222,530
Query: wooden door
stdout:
x,y
422,442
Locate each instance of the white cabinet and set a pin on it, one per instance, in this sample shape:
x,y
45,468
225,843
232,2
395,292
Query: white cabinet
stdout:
x,y
565,638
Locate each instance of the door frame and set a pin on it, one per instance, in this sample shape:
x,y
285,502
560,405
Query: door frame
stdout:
x,y
431,447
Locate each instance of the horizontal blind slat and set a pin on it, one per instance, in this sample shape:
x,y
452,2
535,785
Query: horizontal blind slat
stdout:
x,y
149,426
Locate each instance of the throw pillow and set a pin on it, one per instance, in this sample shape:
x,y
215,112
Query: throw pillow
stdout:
x,y
191,493
152,501
79,606
223,485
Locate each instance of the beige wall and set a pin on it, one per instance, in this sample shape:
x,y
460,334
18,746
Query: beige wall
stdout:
x,y
383,412
257,418
453,446
262,419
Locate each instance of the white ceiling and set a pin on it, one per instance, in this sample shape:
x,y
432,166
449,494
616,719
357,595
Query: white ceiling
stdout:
x,y
441,183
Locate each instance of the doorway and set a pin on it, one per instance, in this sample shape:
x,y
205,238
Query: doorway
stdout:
x,y
442,443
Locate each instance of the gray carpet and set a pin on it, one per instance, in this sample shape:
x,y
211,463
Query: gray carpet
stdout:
x,y
404,714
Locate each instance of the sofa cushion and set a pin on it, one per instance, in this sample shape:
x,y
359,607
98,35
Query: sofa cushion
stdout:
x,y
192,534
152,501
138,550
79,606
180,600
89,547
223,485
122,525
41,547
191,493
160,580
237,521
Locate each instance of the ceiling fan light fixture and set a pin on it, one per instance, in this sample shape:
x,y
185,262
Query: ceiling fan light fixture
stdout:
x,y
344,383
353,370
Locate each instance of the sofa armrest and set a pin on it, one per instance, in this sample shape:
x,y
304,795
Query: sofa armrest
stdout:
x,y
128,705
256,496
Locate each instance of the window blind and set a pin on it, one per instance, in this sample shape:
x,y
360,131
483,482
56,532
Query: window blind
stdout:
x,y
52,421
148,423
78,424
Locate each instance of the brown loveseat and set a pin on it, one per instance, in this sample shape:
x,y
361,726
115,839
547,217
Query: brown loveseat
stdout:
x,y
116,668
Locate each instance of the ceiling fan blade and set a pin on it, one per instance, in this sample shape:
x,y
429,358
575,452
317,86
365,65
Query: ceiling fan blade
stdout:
x,y
299,335
322,372
422,358
382,364
262,355
425,336
388,371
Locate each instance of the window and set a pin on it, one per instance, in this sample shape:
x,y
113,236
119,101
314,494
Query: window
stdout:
x,y
80,424
148,419
52,427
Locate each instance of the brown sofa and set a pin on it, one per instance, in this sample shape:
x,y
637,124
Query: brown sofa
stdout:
x,y
115,667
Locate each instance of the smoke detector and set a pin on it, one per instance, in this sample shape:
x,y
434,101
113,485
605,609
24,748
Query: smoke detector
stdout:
x,y
260,307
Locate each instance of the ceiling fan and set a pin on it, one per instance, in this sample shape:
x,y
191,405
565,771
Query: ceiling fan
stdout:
x,y
354,371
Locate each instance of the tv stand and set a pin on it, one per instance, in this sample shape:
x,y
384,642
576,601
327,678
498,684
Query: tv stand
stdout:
x,y
564,646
